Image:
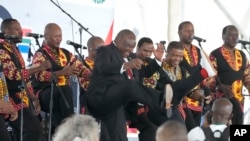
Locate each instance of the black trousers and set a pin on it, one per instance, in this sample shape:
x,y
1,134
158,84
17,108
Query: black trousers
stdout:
x,y
137,115
110,107
4,134
113,126
32,128
238,114
190,119
147,128
60,110
119,94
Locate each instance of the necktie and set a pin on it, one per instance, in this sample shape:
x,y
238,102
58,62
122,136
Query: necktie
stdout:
x,y
130,73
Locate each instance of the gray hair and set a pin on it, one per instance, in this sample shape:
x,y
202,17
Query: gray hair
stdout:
x,y
77,128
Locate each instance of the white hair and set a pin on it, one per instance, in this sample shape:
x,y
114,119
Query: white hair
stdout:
x,y
77,128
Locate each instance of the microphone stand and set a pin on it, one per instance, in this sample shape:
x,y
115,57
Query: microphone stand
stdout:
x,y
30,54
79,24
54,81
80,31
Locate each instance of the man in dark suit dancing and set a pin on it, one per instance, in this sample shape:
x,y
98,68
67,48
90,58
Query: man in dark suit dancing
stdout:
x,y
115,82
112,85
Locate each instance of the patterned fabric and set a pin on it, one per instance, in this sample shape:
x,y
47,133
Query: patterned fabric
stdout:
x,y
60,58
83,81
235,61
14,75
182,112
191,102
192,59
4,94
173,73
151,81
89,62
192,107
192,56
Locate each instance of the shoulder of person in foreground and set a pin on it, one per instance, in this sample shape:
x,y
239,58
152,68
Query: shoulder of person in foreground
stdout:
x,y
196,134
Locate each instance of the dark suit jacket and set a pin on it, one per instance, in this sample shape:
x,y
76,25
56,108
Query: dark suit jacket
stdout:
x,y
107,69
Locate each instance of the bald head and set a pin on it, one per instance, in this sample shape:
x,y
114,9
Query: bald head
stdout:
x,y
93,44
171,131
125,42
221,111
53,35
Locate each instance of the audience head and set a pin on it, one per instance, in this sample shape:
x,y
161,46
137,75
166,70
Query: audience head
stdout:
x,y
185,32
12,27
171,130
78,128
125,42
221,112
174,53
93,44
145,48
230,36
52,35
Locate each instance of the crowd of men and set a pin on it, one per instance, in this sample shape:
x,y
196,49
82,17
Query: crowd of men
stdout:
x,y
143,85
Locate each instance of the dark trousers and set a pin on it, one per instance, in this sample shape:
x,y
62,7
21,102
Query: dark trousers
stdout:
x,y
180,89
190,119
60,110
137,116
113,126
146,128
32,129
4,134
119,94
237,112
110,107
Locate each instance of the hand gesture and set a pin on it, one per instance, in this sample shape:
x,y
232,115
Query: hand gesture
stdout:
x,y
45,65
37,107
159,51
247,79
226,90
134,63
13,116
208,99
7,108
69,69
197,95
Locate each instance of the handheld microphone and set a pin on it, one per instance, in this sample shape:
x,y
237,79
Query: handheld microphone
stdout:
x,y
243,42
198,39
10,37
76,45
131,56
163,42
35,35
